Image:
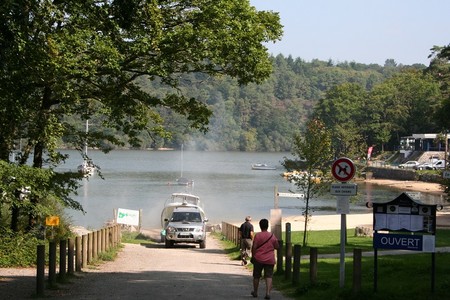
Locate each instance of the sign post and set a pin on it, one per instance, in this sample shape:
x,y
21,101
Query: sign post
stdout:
x,y
343,170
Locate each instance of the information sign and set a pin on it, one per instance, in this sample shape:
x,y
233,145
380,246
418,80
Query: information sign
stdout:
x,y
344,189
52,221
128,217
424,243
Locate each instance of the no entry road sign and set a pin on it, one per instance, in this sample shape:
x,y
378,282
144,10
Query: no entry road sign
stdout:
x,y
343,169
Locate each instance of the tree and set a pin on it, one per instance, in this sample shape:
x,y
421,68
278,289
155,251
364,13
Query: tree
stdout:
x,y
84,58
313,154
440,70
343,113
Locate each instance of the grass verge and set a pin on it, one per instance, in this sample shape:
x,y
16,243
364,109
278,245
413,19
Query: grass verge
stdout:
x,y
406,276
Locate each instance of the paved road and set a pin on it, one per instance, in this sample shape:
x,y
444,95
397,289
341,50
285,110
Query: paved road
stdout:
x,y
153,272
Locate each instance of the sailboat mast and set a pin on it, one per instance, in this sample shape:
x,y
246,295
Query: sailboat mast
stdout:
x,y
85,141
182,146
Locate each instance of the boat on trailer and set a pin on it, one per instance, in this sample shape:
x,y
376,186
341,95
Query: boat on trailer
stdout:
x,y
179,200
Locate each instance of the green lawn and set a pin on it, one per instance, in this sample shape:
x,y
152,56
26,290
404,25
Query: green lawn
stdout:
x,y
405,276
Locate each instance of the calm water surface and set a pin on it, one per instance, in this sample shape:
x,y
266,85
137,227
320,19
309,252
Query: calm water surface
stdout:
x,y
224,181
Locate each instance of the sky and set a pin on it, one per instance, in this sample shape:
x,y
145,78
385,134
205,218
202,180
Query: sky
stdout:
x,y
362,31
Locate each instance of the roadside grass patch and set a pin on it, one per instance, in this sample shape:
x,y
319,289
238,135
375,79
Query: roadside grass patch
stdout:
x,y
135,238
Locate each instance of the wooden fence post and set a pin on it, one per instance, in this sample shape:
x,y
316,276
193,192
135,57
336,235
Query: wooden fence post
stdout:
x,y
62,259
288,254
84,253
52,263
103,239
94,245
78,254
40,271
280,257
296,268
357,270
89,247
313,265
70,256
106,236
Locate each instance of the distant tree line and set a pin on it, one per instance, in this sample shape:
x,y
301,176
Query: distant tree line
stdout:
x,y
362,104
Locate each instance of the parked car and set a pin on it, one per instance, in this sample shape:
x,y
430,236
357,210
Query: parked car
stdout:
x,y
409,164
440,164
424,166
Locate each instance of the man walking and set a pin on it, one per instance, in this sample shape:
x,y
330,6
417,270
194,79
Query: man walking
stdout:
x,y
246,236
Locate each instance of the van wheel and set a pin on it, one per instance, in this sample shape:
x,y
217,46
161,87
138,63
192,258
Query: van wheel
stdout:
x,y
202,244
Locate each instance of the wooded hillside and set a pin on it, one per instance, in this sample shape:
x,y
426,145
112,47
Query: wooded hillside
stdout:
x,y
261,117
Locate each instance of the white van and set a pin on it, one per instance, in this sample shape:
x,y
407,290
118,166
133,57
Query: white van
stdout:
x,y
440,164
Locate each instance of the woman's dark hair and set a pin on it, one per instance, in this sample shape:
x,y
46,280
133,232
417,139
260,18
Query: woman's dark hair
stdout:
x,y
264,224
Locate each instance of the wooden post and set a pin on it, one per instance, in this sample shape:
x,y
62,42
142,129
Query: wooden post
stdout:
x,y
70,256
78,254
40,271
280,257
94,245
288,254
62,258
357,268
313,265
52,264
296,267
103,239
89,247
288,262
84,251
107,229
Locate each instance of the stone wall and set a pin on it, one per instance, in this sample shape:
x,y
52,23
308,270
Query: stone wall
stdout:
x,y
390,173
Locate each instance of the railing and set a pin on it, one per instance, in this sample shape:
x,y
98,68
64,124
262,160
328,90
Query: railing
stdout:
x,y
74,254
231,232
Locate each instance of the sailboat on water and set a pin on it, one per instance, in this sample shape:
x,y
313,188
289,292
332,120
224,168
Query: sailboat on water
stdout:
x,y
183,180
87,168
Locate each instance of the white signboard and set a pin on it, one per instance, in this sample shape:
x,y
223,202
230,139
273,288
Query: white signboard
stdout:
x,y
343,205
128,217
291,195
344,189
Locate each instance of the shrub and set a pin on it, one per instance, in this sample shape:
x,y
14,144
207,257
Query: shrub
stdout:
x,y
17,249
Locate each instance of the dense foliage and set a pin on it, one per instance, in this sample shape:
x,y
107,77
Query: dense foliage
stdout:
x,y
80,60
265,116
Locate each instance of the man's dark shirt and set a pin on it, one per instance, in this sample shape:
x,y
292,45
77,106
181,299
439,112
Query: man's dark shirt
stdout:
x,y
246,229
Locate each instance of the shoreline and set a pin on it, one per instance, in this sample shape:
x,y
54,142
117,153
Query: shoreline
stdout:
x,y
408,185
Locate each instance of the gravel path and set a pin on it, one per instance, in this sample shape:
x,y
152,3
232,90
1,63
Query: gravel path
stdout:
x,y
152,272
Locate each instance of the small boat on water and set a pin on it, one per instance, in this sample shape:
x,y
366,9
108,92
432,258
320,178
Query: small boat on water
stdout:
x,y
260,166
86,168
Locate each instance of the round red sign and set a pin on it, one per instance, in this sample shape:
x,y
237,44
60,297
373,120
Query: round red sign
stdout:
x,y
343,169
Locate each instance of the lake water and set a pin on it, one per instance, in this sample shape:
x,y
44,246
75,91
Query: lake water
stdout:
x,y
224,181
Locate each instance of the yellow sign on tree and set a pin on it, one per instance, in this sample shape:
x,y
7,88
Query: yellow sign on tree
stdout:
x,y
52,221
